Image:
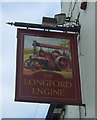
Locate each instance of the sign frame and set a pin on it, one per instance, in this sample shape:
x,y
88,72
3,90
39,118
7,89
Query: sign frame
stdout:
x,y
20,91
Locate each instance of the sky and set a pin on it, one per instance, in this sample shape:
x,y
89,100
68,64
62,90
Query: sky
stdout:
x,y
30,12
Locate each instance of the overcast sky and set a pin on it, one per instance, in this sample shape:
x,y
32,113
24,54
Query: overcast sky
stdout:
x,y
19,12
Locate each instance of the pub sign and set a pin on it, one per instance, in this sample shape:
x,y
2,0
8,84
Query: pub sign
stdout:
x,y
47,67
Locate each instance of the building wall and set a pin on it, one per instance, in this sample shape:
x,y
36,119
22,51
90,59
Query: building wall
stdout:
x,y
86,59
95,58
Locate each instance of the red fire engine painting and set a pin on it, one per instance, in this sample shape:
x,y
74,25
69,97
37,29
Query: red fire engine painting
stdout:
x,y
47,67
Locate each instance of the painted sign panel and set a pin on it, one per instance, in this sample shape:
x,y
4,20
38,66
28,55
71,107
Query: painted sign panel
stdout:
x,y
47,67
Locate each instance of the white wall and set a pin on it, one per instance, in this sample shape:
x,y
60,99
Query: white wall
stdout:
x,y
95,59
87,59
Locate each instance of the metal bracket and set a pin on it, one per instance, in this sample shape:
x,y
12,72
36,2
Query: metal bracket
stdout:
x,y
40,26
85,109
84,105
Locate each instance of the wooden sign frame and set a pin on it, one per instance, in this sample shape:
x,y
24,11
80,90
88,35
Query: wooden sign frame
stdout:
x,y
50,77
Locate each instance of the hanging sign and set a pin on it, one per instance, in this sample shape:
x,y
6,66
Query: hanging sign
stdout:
x,y
47,67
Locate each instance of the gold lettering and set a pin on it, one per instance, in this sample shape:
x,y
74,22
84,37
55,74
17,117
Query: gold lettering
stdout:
x,y
27,82
61,92
48,83
56,92
38,82
40,91
68,84
34,91
46,92
63,84
51,92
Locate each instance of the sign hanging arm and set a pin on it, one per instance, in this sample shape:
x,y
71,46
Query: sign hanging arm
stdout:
x,y
58,28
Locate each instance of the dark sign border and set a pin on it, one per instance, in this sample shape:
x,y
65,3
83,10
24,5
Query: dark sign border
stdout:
x,y
75,65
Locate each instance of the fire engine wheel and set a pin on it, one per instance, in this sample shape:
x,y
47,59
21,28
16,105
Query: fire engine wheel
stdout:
x,y
36,66
27,64
63,63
